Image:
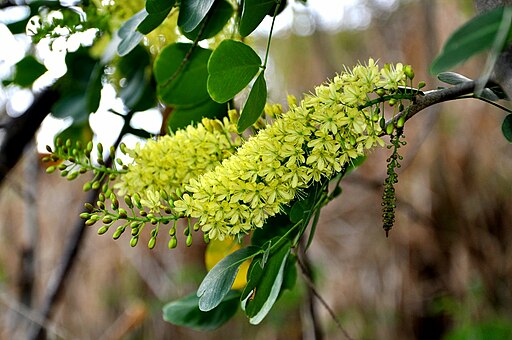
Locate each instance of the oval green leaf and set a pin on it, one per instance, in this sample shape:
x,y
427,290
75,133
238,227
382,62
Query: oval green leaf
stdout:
x,y
152,21
181,79
253,13
192,12
506,127
155,6
186,312
220,278
128,33
216,19
475,36
255,103
27,70
231,67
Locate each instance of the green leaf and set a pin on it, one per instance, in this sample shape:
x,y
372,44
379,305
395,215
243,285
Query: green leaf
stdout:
x,y
27,70
274,226
152,21
302,209
128,33
452,78
506,127
73,105
192,12
182,81
255,103
156,6
184,116
290,273
220,278
186,312
231,67
476,36
216,19
253,13
94,87
265,293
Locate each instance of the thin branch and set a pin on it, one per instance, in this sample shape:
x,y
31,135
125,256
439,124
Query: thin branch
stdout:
x,y
311,285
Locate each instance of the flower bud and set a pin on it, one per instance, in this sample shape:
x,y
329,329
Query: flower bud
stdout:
x,y
85,215
101,205
421,84
49,149
102,230
380,92
389,128
119,231
400,122
72,175
151,243
408,71
392,102
51,169
123,148
128,201
100,149
122,213
89,206
189,240
173,242
96,185
90,221
134,240
87,186
107,219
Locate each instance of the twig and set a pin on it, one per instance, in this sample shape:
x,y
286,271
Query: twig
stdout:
x,y
311,285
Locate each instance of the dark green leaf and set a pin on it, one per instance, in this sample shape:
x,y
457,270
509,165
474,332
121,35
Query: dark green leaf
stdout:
x,y
186,312
139,94
506,127
282,6
216,19
27,70
220,278
302,209
489,95
274,226
183,116
73,105
192,12
290,273
265,293
477,35
128,33
94,88
253,13
255,103
178,83
231,67
152,21
156,6
452,78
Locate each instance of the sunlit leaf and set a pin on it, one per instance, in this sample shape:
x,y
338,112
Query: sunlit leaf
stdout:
x,y
216,19
254,105
219,280
152,21
452,78
192,12
186,312
182,81
253,13
128,33
231,67
27,70
477,35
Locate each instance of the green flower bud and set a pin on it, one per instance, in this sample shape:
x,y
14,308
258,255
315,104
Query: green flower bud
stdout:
x,y
90,222
392,102
135,231
206,238
143,213
107,219
380,92
49,149
172,231
96,185
128,201
72,159
82,171
115,204
112,177
79,145
134,240
401,121
72,175
89,206
189,240
408,71
87,186
100,149
136,200
154,221
85,215
173,242
64,173
168,210
421,84
58,142
151,243
101,205
123,213
389,128
119,231
89,146
101,196
68,143
51,169
102,230
196,226
123,148
112,151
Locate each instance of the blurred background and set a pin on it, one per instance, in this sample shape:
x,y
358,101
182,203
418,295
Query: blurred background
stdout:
x,y
444,272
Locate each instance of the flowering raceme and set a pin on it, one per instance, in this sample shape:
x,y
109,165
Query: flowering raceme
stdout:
x,y
171,161
312,141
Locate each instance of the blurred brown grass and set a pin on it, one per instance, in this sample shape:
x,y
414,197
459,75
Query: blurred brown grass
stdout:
x,y
447,263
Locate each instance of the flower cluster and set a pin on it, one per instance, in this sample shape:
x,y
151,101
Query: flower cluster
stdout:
x,y
312,141
171,161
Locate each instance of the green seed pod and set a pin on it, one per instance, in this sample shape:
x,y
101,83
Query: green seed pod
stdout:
x,y
102,230
46,159
133,241
119,161
79,145
107,219
151,243
51,169
108,192
62,166
408,71
186,231
87,186
85,216
389,128
189,240
173,242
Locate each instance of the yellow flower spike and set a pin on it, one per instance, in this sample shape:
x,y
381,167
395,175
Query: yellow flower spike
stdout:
x,y
216,250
